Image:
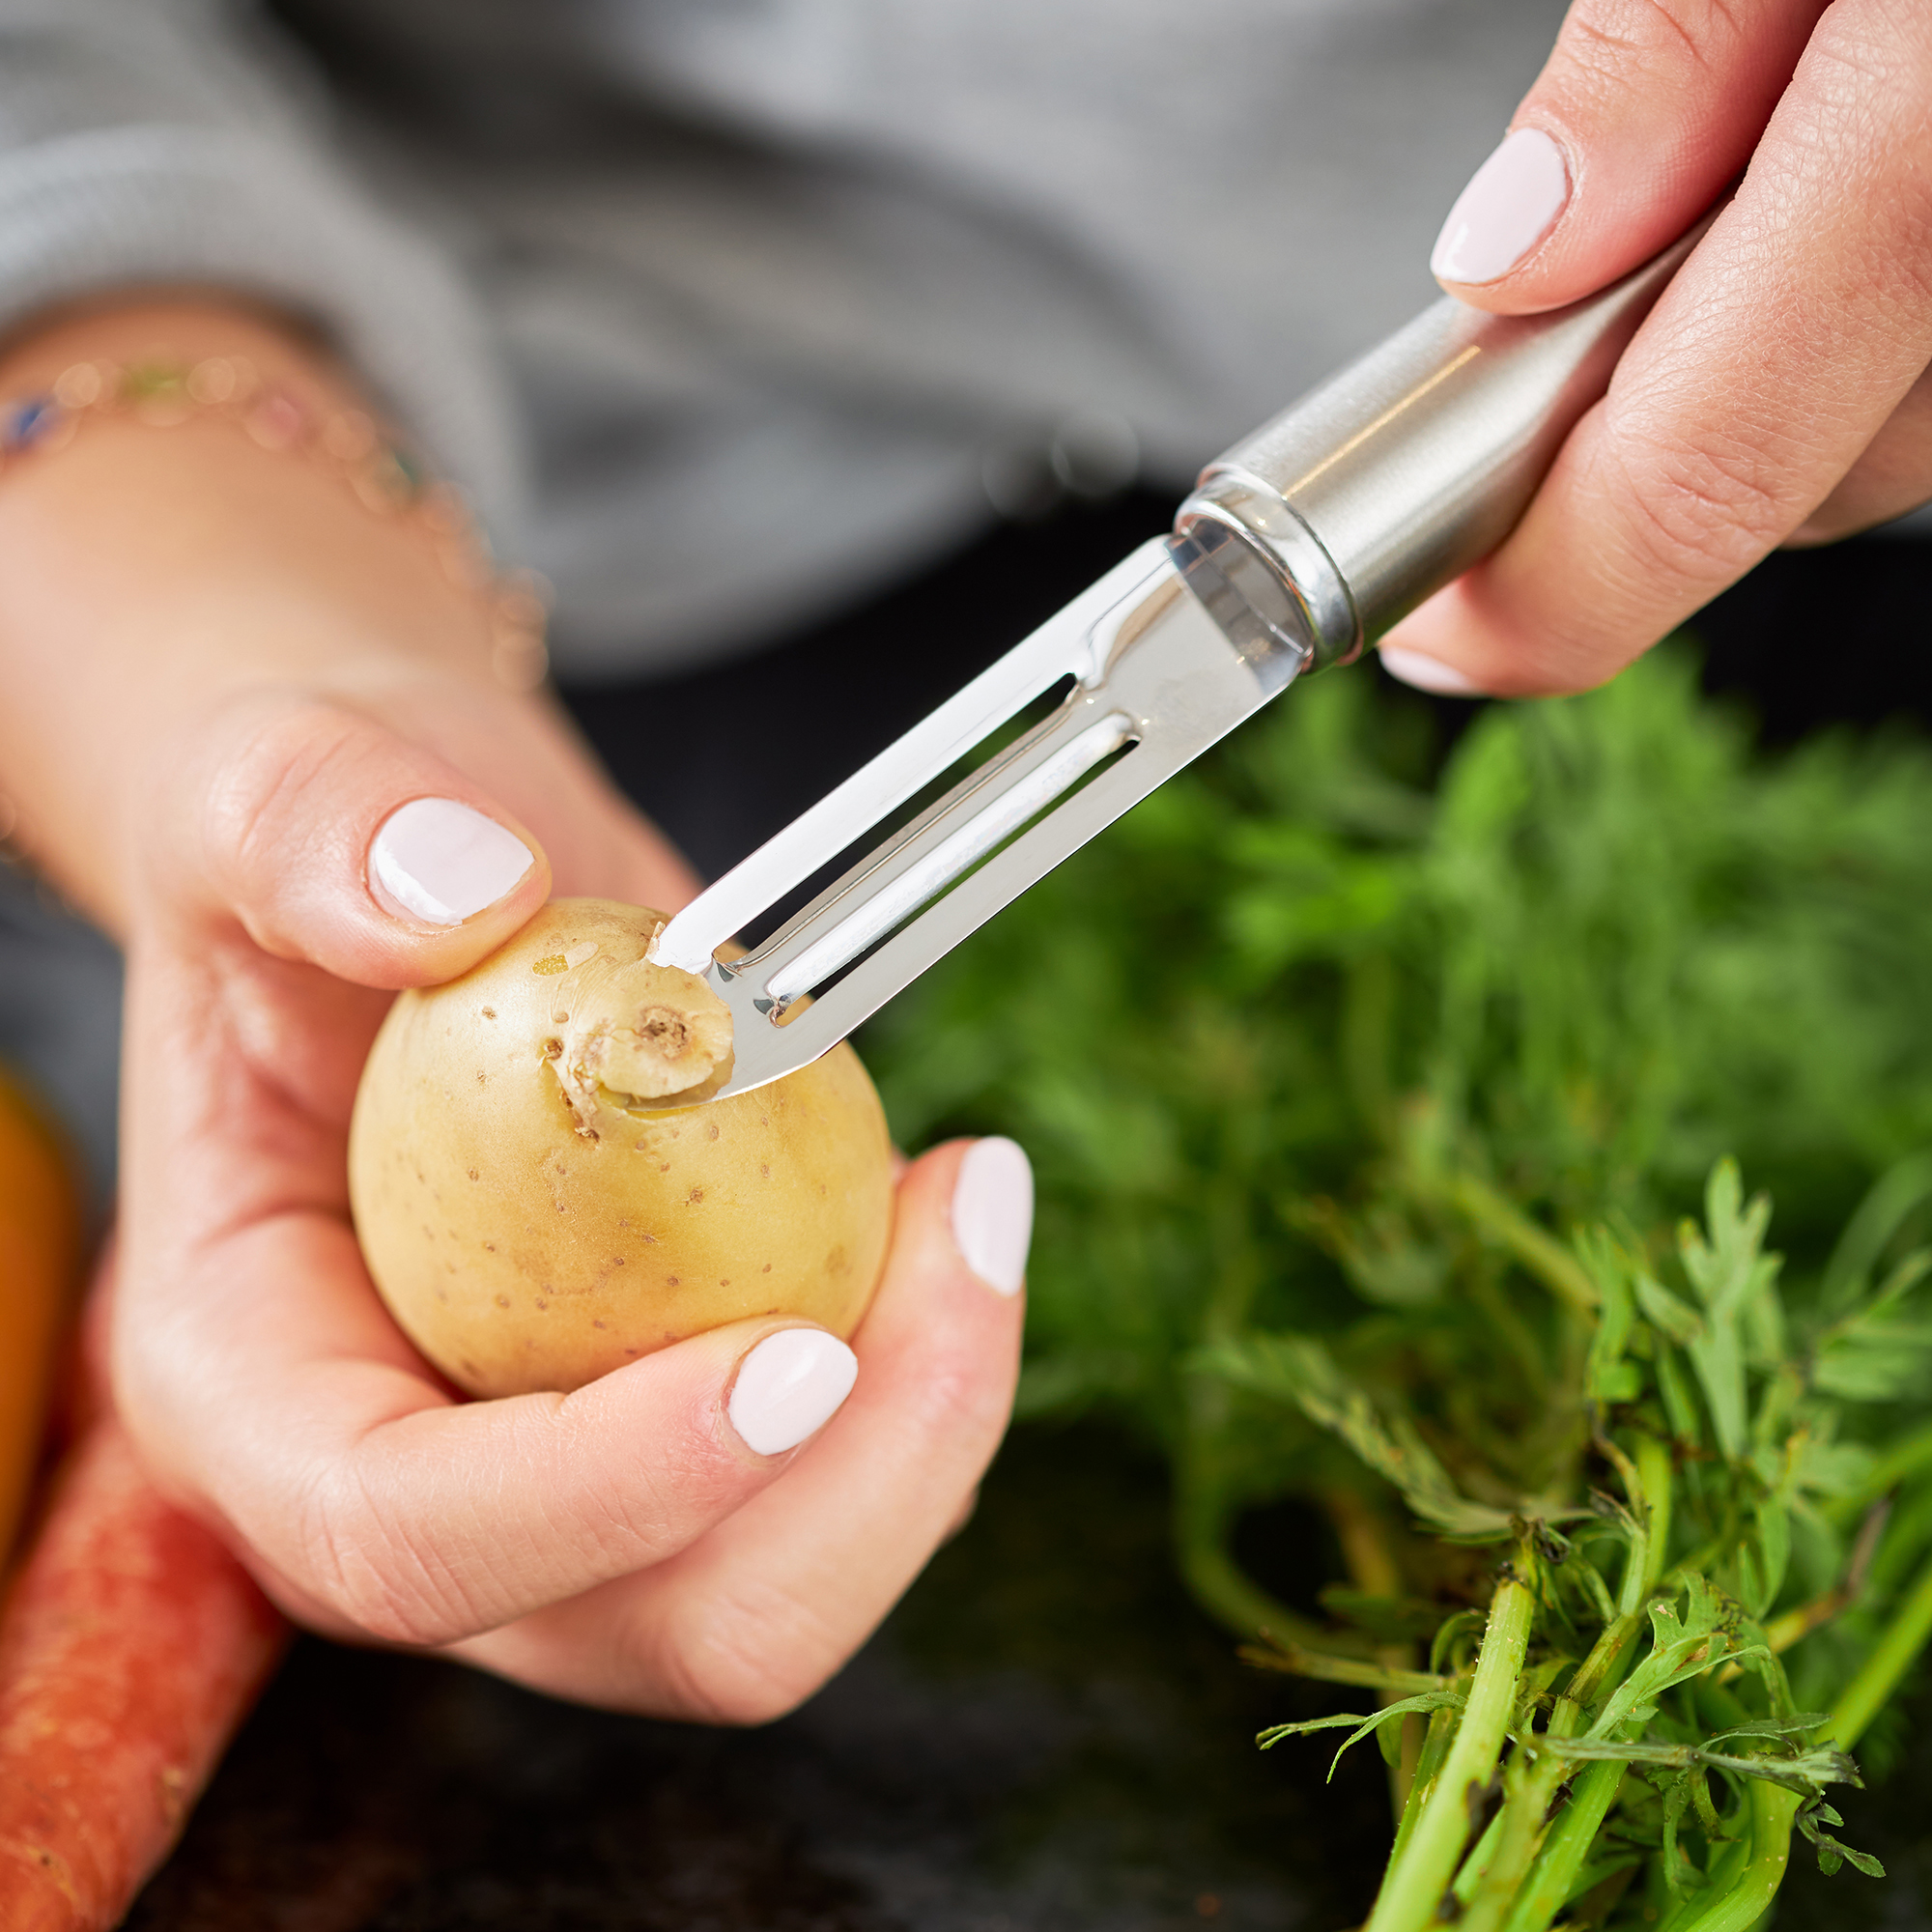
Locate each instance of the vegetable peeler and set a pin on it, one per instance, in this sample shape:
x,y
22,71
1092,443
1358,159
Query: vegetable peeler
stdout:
x,y
1299,547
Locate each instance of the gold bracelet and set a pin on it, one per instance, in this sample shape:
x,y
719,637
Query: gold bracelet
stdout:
x,y
348,443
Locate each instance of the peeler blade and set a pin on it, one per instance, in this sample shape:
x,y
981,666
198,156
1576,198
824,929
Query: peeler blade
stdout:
x,y
1156,682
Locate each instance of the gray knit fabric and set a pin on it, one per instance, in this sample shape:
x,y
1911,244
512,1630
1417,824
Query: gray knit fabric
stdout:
x,y
140,144
725,309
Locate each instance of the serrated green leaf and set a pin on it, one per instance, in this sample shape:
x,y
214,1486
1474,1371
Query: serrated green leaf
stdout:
x,y
1681,1647
1678,1319
1833,1851
1389,1714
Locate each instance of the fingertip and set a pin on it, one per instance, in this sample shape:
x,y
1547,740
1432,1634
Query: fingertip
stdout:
x,y
973,1198
445,882
992,1211
440,862
1506,212
1638,120
335,840
787,1387
1423,671
954,1280
450,883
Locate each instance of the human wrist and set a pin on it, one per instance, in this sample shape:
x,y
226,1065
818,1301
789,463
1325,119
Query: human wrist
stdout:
x,y
149,575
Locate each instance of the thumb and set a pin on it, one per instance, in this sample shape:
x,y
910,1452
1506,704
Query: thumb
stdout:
x,y
1644,112
333,841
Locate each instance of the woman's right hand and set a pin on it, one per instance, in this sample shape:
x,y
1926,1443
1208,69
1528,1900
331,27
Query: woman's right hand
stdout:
x,y
220,679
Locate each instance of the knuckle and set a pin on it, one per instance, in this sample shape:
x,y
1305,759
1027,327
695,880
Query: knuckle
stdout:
x,y
1703,513
1615,46
743,1660
961,1398
259,802
385,1577
1870,48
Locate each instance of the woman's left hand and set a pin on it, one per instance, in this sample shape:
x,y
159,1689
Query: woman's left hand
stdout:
x,y
258,730
1778,394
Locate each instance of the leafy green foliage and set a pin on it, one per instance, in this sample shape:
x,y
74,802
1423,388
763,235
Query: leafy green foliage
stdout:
x,y
1297,1369
1385,1723
1608,947
1390,1125
1834,1852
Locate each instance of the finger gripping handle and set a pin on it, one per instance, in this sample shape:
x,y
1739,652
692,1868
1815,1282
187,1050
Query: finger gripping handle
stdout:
x,y
1391,478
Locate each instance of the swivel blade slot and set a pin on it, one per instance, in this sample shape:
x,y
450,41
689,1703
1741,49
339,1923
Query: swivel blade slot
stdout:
x,y
1063,645
890,884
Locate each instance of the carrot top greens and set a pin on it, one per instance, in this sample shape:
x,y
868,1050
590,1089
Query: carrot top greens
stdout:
x,y
1392,1128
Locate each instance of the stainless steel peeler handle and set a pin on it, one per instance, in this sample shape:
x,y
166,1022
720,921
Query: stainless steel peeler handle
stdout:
x,y
1302,543
1393,476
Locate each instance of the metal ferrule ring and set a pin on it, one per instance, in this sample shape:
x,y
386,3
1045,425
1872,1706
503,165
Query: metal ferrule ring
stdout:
x,y
1274,563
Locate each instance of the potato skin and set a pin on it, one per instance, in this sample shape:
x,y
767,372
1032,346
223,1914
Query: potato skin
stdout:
x,y
520,1251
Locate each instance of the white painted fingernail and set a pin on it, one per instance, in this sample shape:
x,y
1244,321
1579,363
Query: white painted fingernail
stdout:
x,y
1428,673
790,1386
444,861
1508,208
992,1212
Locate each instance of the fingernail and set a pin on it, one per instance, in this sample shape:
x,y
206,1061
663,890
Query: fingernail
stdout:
x,y
1507,209
1428,673
790,1386
443,861
992,1211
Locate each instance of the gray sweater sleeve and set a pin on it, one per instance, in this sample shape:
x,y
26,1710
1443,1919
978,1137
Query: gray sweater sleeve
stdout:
x,y
148,142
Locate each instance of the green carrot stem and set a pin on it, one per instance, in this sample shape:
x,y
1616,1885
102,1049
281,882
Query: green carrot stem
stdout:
x,y
1654,1470
1436,1741
1490,1891
1293,1660
1744,1879
1890,1659
1374,1569
1416,1881
1492,1885
1540,1254
1464,1884
1602,1671
1526,1801
1219,1583
1794,1625
1566,1847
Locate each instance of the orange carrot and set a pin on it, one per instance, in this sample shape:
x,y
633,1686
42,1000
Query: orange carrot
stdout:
x,y
39,1264
131,1645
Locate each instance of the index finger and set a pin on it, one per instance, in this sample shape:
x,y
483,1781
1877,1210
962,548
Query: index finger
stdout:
x,y
1773,359
1645,110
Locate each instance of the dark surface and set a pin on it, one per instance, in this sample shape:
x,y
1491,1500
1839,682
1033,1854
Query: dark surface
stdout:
x,y
1046,1734
1842,635
1045,1737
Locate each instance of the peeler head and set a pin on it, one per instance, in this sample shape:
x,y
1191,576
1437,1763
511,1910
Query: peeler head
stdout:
x,y
1156,680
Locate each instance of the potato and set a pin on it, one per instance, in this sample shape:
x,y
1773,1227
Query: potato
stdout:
x,y
543,1192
